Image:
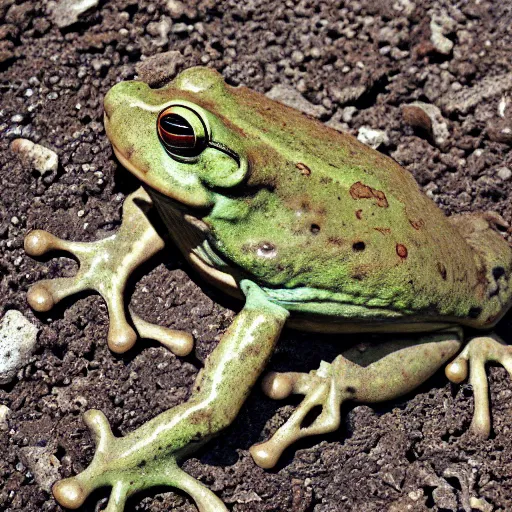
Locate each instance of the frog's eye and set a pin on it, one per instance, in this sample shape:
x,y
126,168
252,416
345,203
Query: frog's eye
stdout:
x,y
182,131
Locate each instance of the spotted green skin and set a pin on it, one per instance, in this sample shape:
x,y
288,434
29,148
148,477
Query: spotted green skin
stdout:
x,y
326,225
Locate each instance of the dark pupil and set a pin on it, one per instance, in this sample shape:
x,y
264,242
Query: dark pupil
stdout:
x,y
177,132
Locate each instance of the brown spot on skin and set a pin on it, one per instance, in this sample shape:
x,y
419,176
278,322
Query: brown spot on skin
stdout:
x,y
335,241
401,250
417,224
360,272
442,270
303,168
361,191
384,231
325,180
359,214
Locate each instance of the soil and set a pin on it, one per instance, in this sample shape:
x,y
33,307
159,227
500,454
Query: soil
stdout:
x,y
358,63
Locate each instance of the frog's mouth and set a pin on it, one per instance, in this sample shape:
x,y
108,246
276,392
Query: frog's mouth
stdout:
x,y
193,238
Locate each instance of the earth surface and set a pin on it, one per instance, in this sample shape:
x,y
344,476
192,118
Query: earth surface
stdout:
x,y
355,65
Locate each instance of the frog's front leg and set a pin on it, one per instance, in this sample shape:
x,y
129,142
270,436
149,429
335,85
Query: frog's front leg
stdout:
x,y
385,372
478,352
148,456
105,266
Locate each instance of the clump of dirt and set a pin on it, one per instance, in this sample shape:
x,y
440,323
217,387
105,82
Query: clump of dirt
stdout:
x,y
356,64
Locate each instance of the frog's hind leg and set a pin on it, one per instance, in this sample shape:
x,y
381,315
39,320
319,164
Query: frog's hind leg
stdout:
x,y
105,267
477,353
394,369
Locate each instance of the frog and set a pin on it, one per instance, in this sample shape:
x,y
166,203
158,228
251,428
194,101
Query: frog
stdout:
x,y
310,229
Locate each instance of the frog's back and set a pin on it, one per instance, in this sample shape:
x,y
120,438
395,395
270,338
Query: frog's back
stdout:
x,y
326,221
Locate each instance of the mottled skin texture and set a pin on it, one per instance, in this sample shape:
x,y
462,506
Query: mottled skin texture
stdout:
x,y
338,217
313,229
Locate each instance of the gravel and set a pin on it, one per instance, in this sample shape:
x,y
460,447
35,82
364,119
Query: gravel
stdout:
x,y
354,63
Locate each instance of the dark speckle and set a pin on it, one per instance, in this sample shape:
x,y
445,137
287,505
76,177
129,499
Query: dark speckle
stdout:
x,y
350,389
474,312
359,214
358,246
315,229
335,240
442,270
498,272
401,250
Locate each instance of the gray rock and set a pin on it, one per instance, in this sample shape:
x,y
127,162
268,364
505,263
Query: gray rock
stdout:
x,y
5,413
42,463
504,173
66,12
469,97
17,342
441,43
160,69
176,8
293,98
347,94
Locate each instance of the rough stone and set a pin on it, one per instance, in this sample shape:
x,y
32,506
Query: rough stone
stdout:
x,y
17,342
161,68
371,137
467,98
293,98
36,156
66,12
42,463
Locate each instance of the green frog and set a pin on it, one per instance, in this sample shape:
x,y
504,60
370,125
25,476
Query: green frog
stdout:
x,y
312,229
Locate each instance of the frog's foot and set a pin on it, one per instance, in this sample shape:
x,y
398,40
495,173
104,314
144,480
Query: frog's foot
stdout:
x,y
109,469
478,352
105,267
319,388
386,372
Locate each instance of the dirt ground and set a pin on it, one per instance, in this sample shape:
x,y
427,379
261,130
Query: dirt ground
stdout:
x,y
358,64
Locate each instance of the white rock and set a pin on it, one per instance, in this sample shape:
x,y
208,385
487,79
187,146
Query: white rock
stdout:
x,y
5,412
504,173
293,98
17,342
38,157
371,137
441,43
67,12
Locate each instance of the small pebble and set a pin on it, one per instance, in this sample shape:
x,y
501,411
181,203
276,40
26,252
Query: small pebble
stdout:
x,y
17,342
36,156
504,173
371,137
5,413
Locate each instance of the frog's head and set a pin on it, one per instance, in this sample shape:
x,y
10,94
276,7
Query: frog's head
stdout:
x,y
173,139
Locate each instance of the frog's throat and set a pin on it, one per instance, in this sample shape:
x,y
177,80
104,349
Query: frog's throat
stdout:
x,y
191,236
